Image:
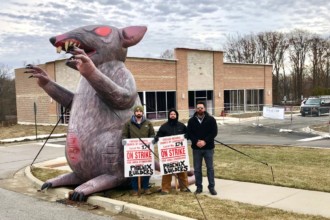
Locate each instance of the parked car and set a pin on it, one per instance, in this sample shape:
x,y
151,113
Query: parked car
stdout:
x,y
315,106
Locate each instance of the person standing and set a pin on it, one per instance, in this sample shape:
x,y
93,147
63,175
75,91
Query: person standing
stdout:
x,y
201,130
138,127
169,128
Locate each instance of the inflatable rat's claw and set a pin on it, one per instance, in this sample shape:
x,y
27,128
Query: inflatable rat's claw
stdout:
x,y
76,196
46,186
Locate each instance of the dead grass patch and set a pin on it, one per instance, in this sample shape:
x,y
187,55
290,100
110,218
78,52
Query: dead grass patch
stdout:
x,y
15,131
44,174
297,167
323,127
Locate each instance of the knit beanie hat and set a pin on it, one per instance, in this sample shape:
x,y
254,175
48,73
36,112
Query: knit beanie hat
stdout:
x,y
138,108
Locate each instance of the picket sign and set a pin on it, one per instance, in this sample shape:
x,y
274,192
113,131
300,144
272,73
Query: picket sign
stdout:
x,y
173,154
139,160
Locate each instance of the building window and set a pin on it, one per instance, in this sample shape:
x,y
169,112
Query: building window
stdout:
x,y
254,99
65,112
157,103
243,100
234,100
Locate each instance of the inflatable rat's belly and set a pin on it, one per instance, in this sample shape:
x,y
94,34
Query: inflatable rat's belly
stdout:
x,y
93,143
73,150
93,155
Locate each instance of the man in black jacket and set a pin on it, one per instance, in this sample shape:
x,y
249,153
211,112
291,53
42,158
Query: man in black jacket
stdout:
x,y
172,127
202,129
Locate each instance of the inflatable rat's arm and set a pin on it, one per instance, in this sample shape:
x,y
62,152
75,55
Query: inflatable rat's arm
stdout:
x,y
57,92
120,95
119,91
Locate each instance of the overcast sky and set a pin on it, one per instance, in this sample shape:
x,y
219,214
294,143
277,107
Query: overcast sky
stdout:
x,y
26,26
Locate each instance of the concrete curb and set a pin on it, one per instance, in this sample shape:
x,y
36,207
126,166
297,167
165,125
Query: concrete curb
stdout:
x,y
111,204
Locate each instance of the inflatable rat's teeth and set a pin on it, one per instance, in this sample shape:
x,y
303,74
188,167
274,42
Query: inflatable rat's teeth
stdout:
x,y
66,46
59,49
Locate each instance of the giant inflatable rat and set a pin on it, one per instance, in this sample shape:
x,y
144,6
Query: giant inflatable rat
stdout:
x,y
100,106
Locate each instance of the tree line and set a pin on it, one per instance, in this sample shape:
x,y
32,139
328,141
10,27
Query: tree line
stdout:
x,y
300,61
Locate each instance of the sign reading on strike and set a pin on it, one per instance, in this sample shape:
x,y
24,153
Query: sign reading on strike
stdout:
x,y
173,154
139,160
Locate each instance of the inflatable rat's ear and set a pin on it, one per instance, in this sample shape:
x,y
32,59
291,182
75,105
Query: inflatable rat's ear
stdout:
x,y
132,35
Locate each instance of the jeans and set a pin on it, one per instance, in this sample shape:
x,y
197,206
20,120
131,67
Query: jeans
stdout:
x,y
144,182
198,156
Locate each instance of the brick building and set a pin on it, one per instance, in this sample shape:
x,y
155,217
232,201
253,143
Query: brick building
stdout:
x,y
162,84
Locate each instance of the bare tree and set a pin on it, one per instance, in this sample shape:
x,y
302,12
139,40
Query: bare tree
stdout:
x,y
326,57
241,49
262,52
249,48
316,55
167,54
272,49
233,49
319,55
299,46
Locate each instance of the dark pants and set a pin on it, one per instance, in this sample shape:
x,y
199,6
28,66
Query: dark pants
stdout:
x,y
198,159
144,182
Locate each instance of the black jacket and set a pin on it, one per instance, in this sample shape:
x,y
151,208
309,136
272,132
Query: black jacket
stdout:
x,y
172,127
207,131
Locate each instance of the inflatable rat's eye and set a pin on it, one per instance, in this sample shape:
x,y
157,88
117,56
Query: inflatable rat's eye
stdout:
x,y
103,31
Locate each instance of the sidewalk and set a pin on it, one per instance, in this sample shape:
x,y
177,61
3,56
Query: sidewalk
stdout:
x,y
288,199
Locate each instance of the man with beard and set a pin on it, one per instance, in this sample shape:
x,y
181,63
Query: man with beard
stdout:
x,y
172,127
201,130
138,127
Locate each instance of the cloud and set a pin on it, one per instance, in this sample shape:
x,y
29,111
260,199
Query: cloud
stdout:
x,y
26,26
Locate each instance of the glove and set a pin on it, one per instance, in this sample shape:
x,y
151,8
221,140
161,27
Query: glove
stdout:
x,y
123,142
155,140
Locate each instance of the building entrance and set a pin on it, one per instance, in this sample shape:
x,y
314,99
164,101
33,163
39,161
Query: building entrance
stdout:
x,y
201,95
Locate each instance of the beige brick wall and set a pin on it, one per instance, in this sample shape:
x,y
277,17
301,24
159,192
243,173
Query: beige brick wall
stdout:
x,y
249,76
191,70
218,82
268,85
153,74
182,82
28,93
240,76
